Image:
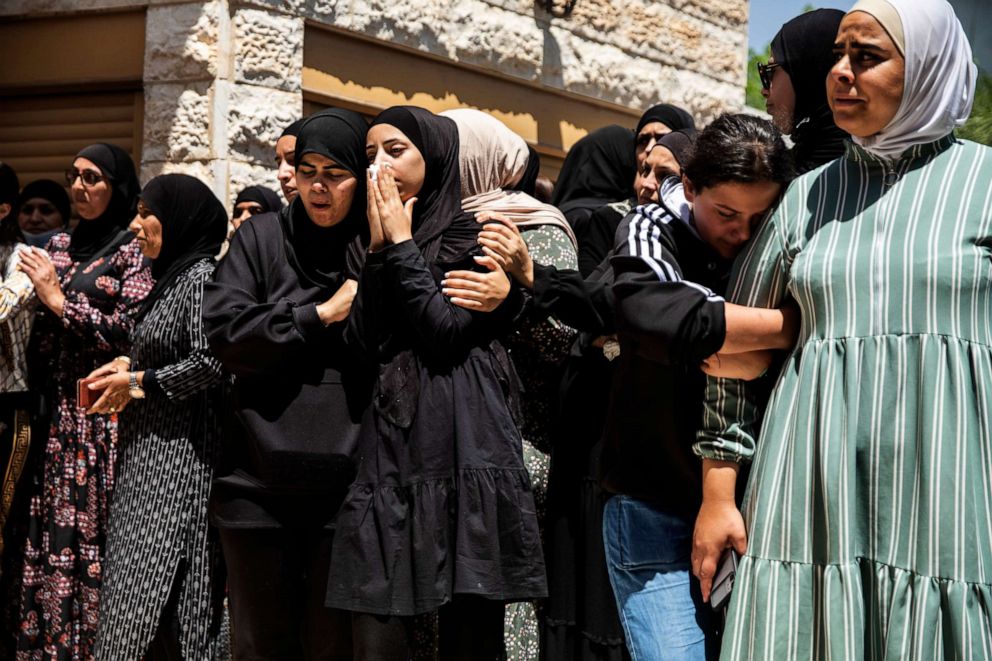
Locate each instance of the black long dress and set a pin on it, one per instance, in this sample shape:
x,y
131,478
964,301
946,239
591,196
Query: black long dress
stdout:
x,y
442,504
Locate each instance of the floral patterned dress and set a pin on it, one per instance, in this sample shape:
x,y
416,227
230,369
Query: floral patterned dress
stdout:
x,y
538,350
71,489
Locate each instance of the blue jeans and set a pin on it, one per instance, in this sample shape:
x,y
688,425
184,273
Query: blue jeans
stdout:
x,y
661,607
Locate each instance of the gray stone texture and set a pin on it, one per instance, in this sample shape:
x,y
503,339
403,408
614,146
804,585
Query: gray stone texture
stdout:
x,y
629,52
177,122
222,78
268,49
256,118
181,41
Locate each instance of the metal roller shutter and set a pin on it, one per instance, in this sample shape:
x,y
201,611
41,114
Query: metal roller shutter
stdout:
x,y
40,133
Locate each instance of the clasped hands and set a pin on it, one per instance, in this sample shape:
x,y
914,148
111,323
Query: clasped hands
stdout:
x,y
114,378
390,219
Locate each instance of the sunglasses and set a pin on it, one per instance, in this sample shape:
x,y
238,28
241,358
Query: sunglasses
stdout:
x,y
765,73
89,177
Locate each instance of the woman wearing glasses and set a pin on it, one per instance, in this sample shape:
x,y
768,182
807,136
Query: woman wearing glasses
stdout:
x,y
90,288
794,86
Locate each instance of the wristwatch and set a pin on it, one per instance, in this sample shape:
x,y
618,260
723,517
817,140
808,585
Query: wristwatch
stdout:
x,y
134,388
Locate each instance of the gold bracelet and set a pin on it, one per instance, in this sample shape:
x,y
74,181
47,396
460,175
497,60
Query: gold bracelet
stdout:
x,y
126,359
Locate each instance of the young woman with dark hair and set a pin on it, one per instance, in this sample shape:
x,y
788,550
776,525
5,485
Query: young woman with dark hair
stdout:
x,y
670,265
670,331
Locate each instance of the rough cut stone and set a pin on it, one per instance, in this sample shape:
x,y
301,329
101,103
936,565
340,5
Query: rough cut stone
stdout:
x,y
177,122
255,120
222,77
268,49
199,169
181,41
243,175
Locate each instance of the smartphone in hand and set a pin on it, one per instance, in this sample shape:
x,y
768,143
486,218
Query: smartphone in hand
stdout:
x,y
86,398
723,582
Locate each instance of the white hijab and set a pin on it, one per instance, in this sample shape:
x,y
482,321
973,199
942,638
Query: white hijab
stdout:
x,y
939,86
492,158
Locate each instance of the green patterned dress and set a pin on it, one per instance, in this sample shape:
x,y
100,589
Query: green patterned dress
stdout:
x,y
538,349
869,507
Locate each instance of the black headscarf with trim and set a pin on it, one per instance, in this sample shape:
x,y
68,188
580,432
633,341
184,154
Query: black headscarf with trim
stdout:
x,y
598,169
93,236
673,117
804,48
441,230
326,256
194,226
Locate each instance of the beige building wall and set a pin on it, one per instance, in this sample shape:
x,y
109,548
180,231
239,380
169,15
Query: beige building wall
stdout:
x,y
221,78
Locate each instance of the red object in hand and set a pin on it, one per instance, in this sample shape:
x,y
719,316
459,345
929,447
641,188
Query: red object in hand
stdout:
x,y
85,397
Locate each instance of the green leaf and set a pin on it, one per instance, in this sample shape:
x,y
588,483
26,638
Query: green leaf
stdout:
x,y
753,94
978,128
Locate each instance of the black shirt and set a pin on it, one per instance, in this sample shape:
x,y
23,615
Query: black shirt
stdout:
x,y
668,321
298,393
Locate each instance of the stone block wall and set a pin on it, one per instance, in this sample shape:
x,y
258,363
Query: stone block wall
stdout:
x,y
222,77
629,52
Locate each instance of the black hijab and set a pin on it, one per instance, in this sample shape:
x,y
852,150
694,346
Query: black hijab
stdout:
x,y
293,129
680,143
262,196
673,117
441,230
599,169
528,182
93,236
804,48
320,254
194,226
52,191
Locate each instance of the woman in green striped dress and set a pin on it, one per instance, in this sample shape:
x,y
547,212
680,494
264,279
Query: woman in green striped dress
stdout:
x,y
869,506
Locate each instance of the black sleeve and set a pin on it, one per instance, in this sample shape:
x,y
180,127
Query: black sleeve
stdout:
x,y
596,238
584,303
362,331
659,315
442,329
248,334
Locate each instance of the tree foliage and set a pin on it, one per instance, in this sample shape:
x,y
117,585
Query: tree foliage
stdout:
x,y
754,98
979,125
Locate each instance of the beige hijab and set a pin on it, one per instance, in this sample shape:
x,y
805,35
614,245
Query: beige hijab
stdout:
x,y
492,158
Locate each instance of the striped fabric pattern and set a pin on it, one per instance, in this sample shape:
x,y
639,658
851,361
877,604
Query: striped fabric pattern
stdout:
x,y
644,236
869,507
158,528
